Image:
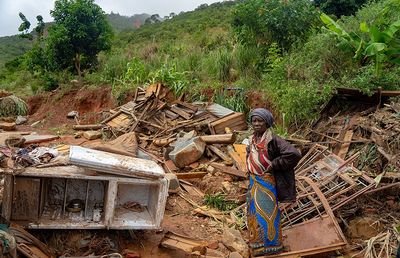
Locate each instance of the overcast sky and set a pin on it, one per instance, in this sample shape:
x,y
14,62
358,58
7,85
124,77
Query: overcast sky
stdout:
x,y
10,21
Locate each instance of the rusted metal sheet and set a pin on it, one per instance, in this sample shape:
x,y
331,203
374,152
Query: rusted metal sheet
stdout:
x,y
114,163
310,231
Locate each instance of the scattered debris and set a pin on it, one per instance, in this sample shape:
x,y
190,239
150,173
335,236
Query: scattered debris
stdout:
x,y
183,243
92,135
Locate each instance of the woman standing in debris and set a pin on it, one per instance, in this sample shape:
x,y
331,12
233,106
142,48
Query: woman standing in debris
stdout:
x,y
270,163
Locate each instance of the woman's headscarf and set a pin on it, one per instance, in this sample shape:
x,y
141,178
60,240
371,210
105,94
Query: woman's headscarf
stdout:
x,y
265,114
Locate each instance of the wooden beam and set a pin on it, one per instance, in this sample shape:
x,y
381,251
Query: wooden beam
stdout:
x,y
88,127
228,170
191,175
345,146
221,154
219,138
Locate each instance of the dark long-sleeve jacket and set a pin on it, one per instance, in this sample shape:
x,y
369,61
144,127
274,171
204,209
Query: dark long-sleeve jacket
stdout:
x,y
284,158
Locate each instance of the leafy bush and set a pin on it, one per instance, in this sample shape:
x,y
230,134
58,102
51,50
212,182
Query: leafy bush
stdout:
x,y
177,81
339,7
284,22
50,82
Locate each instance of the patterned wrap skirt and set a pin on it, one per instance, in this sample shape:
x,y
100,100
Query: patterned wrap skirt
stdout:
x,y
263,216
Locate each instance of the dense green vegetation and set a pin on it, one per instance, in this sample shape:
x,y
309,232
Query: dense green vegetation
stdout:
x,y
280,48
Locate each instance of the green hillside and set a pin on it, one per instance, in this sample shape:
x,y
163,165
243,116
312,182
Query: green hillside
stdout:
x,y
121,22
11,47
287,51
14,46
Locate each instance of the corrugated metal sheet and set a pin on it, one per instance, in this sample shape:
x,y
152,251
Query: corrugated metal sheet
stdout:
x,y
114,163
219,110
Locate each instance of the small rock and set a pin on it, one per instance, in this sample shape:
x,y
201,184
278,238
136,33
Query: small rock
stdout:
x,y
173,182
72,114
235,255
78,135
210,169
214,253
21,120
92,135
213,245
233,240
7,126
227,186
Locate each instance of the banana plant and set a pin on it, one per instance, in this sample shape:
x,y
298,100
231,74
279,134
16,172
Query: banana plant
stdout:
x,y
382,46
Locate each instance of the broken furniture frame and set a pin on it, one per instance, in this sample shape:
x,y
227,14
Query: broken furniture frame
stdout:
x,y
337,179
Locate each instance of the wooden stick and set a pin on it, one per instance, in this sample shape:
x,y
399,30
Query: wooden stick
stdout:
x,y
88,127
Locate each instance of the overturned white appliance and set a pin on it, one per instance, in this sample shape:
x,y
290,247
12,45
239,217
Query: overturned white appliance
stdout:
x,y
101,190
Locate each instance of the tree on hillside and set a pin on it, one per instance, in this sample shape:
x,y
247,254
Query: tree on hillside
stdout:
x,y
340,7
24,27
80,31
261,22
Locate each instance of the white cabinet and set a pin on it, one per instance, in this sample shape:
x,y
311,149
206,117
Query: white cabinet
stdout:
x,y
77,198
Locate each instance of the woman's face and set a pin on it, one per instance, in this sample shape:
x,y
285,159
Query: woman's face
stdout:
x,y
259,125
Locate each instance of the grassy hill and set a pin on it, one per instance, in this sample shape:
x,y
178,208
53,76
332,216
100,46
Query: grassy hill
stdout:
x,y
121,22
14,46
11,47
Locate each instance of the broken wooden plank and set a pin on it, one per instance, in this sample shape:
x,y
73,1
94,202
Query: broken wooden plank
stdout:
x,y
183,243
345,146
219,138
171,114
191,175
111,117
187,105
228,170
391,158
88,127
181,112
235,121
31,139
192,190
221,154
237,160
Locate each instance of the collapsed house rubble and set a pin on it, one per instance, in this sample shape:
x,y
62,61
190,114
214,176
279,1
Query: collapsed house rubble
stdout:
x,y
158,147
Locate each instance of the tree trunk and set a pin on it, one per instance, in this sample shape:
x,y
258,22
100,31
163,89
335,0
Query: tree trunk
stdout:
x,y
78,66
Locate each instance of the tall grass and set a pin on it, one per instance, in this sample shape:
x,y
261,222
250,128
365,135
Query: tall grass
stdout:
x,y
13,106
